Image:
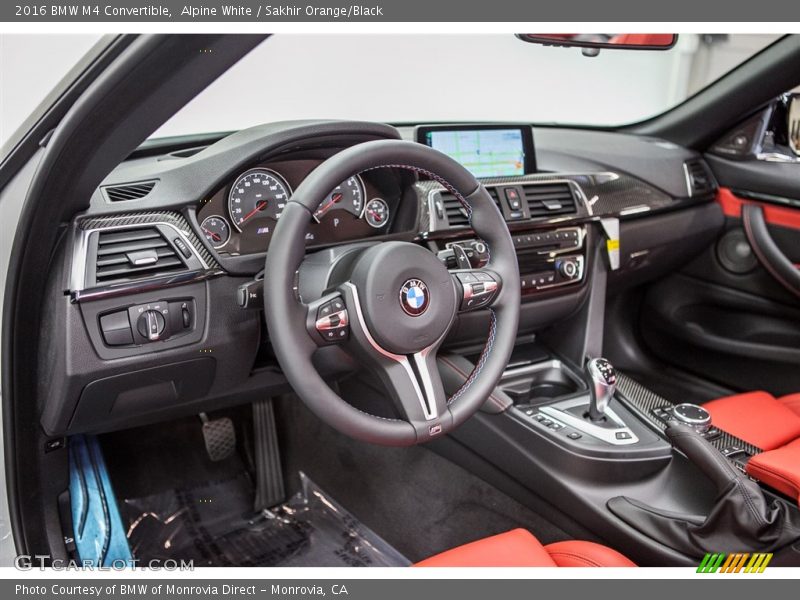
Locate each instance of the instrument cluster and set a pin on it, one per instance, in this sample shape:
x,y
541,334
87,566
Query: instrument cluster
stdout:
x,y
241,216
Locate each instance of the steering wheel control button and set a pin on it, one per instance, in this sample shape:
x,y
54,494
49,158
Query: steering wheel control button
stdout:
x,y
467,277
478,289
414,297
333,322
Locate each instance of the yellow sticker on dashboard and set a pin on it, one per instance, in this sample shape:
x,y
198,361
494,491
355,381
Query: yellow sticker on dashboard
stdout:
x,y
612,245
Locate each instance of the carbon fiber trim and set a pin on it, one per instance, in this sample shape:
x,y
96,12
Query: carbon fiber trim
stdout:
x,y
177,220
606,193
643,401
616,192
619,193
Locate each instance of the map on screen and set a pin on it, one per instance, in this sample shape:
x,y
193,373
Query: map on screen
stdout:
x,y
484,152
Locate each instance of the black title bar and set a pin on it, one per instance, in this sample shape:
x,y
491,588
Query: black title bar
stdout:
x,y
463,11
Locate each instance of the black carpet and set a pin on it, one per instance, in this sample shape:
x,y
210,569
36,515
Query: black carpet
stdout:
x,y
155,458
416,500
419,502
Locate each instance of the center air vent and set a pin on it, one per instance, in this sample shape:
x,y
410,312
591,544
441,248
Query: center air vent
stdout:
x,y
129,191
549,199
454,211
542,200
135,253
699,179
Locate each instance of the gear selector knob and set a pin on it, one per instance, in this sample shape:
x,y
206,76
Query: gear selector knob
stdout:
x,y
602,384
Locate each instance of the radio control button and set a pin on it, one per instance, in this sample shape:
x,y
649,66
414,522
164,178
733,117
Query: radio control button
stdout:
x,y
569,269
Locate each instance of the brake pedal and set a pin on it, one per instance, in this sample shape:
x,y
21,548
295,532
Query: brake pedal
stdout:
x,y
219,436
269,475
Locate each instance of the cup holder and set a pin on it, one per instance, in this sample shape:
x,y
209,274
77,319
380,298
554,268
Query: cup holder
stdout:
x,y
539,383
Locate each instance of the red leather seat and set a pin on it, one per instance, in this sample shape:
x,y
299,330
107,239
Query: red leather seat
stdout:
x,y
519,548
771,424
779,469
758,418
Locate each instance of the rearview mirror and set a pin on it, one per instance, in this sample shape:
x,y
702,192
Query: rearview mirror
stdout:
x,y
794,124
617,41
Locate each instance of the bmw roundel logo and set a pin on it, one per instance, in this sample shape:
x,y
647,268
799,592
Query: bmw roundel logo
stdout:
x,y
414,297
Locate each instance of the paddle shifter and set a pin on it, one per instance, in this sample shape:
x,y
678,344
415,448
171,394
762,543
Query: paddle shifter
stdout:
x,y
602,384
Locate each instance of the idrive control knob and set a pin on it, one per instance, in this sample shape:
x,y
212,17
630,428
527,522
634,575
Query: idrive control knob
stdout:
x,y
693,415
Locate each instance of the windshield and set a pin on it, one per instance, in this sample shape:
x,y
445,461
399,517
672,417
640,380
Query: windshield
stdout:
x,y
441,78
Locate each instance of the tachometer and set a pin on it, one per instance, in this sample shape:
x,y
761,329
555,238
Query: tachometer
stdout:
x,y
256,195
377,213
348,195
216,230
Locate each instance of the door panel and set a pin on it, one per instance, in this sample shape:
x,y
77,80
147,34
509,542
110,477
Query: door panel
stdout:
x,y
724,317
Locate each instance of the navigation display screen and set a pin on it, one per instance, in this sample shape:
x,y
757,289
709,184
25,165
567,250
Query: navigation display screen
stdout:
x,y
484,151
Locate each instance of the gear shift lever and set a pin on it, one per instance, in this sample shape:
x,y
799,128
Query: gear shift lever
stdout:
x,y
602,384
602,422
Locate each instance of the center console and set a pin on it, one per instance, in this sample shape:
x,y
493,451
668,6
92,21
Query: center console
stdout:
x,y
578,410
598,411
657,480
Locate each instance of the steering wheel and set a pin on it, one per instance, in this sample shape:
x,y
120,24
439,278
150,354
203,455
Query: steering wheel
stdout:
x,y
395,307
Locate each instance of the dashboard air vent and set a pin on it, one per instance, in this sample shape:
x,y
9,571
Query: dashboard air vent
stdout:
x,y
454,211
549,199
494,194
699,178
129,191
135,253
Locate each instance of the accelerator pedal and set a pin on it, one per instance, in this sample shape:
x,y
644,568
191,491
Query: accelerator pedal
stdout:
x,y
269,475
219,436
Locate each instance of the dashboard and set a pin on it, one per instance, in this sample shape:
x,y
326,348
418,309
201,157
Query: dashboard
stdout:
x,y
240,217
159,279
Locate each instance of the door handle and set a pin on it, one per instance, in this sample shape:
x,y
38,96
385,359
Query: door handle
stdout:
x,y
766,250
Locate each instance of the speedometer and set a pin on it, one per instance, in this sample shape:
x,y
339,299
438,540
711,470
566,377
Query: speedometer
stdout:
x,y
256,195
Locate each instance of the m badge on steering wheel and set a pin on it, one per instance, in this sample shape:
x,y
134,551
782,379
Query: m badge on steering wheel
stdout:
x,y
414,297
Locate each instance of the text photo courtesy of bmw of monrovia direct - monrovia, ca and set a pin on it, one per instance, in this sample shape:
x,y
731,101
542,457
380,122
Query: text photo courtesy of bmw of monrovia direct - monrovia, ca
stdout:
x,y
170,589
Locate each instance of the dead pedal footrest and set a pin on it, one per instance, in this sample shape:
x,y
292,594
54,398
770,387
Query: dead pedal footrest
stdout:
x,y
269,474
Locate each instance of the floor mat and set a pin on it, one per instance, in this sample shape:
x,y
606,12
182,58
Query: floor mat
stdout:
x,y
213,524
421,503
